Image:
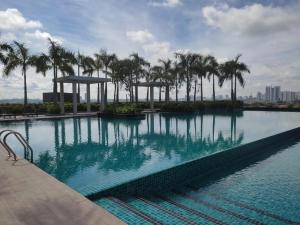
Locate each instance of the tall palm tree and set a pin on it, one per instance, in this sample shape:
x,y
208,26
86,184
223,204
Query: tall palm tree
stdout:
x,y
19,57
226,74
79,60
239,68
58,59
98,66
233,70
186,62
156,74
213,71
167,77
106,60
176,74
139,63
200,68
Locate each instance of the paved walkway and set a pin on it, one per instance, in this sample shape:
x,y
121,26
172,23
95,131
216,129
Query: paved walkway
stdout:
x,y
30,196
45,117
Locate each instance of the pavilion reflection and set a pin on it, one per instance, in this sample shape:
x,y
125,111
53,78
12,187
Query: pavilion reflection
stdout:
x,y
128,144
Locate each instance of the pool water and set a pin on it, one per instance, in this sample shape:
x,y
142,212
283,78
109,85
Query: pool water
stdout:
x,y
266,191
96,153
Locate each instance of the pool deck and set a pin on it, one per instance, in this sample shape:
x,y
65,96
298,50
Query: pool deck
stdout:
x,y
30,196
46,117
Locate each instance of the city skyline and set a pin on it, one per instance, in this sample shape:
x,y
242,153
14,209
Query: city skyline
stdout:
x,y
157,29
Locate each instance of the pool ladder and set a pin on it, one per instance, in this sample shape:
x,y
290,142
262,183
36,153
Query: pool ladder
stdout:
x,y
28,152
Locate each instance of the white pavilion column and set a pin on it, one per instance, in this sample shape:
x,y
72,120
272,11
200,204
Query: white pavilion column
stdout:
x,y
102,107
151,98
74,98
62,100
88,98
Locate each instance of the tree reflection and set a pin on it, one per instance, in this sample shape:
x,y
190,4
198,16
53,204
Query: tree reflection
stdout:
x,y
129,144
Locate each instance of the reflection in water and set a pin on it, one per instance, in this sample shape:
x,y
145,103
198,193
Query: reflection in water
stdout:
x,y
91,151
128,145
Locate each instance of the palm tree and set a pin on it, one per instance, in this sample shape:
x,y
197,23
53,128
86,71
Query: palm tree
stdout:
x,y
19,57
139,63
106,60
57,59
177,78
167,77
238,69
98,66
186,62
226,74
200,68
213,71
233,70
156,74
79,62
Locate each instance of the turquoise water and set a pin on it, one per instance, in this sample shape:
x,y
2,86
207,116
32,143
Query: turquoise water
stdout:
x,y
264,191
93,152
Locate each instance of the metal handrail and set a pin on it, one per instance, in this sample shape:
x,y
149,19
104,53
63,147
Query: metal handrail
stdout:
x,y
20,138
7,148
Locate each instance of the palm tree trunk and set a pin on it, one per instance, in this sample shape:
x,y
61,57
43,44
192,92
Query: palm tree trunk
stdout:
x,y
201,78
136,91
187,88
195,90
117,91
98,88
105,93
25,86
167,96
231,88
78,68
55,84
234,87
214,94
159,97
176,89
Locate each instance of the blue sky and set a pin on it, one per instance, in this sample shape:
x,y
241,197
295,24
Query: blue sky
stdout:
x,y
265,32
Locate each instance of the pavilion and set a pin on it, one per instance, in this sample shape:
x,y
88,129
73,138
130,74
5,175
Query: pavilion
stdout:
x,y
81,80
151,85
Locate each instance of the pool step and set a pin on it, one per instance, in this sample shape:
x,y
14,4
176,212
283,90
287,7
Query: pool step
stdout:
x,y
188,206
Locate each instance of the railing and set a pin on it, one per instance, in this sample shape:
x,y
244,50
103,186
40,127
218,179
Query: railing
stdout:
x,y
28,152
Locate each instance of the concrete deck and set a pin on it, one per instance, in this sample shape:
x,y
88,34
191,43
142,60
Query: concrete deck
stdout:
x,y
46,117
30,196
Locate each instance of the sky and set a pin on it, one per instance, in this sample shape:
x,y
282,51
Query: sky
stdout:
x,y
266,33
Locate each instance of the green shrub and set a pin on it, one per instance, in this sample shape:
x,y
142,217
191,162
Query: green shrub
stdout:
x,y
53,108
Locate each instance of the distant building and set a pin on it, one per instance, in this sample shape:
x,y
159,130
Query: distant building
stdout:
x,y
288,96
272,94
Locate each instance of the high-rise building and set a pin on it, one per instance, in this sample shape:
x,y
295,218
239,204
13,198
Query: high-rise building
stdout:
x,y
272,94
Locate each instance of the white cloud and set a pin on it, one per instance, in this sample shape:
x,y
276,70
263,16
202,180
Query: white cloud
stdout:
x,y
43,36
11,19
166,3
153,48
140,36
253,19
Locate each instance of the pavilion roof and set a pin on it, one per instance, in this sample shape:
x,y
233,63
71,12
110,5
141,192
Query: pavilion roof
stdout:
x,y
82,79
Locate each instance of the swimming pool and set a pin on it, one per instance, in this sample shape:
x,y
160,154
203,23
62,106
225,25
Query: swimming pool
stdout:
x,y
85,153
264,190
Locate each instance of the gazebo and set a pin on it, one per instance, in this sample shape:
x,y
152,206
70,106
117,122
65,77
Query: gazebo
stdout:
x,y
151,85
81,80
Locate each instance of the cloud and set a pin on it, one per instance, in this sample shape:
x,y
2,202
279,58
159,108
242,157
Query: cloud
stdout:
x,y
140,36
149,43
43,36
166,3
11,19
253,19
